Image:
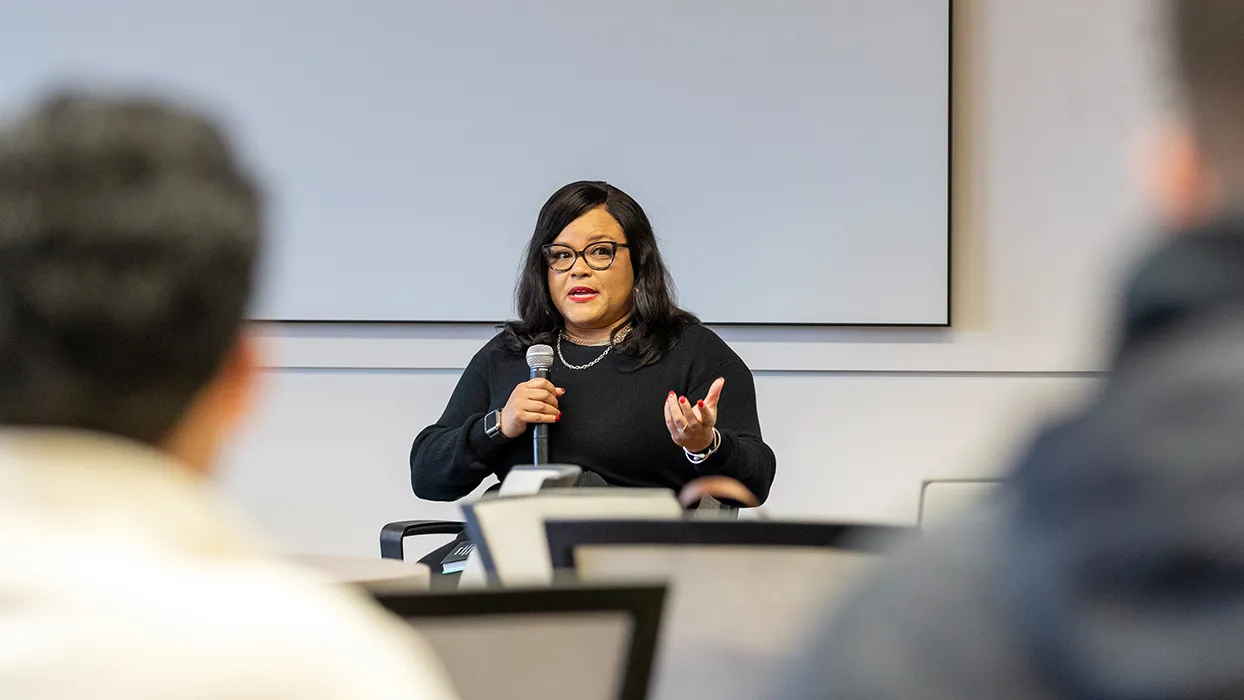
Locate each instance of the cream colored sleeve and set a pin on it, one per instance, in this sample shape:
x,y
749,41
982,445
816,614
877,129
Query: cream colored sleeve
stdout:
x,y
336,645
211,635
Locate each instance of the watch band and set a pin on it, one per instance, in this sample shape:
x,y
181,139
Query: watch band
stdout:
x,y
492,427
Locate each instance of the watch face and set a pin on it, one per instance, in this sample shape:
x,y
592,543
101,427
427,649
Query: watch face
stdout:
x,y
490,423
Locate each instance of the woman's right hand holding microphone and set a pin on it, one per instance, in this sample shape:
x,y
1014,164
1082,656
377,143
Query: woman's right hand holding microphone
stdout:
x,y
533,401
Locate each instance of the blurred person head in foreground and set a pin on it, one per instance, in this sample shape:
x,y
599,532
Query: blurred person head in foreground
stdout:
x,y
1111,563
128,237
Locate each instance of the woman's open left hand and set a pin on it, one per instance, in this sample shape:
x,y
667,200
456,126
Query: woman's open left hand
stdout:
x,y
691,425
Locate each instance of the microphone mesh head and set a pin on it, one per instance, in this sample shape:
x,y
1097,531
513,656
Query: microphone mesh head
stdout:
x,y
539,357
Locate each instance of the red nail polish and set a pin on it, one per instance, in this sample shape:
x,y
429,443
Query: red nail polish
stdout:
x,y
683,399
559,417
700,404
671,394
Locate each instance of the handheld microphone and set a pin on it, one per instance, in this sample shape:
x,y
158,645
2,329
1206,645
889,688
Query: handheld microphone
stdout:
x,y
540,359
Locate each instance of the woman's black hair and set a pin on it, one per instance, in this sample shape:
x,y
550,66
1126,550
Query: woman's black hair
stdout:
x,y
656,320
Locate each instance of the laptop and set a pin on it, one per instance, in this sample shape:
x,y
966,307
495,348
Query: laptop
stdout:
x,y
584,642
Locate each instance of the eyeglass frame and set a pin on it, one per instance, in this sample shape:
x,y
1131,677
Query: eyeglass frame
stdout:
x,y
544,249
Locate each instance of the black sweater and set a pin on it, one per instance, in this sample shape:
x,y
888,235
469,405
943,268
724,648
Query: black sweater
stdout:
x,y
1110,563
613,420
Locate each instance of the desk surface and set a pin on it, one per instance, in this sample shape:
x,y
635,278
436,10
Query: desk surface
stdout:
x,y
365,569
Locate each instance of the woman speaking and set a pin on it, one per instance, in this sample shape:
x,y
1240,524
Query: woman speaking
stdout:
x,y
639,392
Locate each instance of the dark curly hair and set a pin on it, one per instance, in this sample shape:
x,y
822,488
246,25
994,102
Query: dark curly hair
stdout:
x,y
128,238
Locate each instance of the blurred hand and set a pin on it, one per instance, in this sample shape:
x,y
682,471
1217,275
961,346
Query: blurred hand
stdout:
x,y
726,490
534,401
691,426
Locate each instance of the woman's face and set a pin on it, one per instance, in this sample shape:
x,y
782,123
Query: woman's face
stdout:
x,y
589,299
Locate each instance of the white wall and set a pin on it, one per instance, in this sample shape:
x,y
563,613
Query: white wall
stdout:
x,y
1049,98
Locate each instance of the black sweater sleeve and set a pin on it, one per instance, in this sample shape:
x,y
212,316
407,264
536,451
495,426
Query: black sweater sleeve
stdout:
x,y
743,454
452,457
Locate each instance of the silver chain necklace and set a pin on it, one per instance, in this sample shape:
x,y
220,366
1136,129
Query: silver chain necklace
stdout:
x,y
562,334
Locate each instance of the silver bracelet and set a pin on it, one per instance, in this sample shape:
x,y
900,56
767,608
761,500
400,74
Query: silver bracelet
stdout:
x,y
700,457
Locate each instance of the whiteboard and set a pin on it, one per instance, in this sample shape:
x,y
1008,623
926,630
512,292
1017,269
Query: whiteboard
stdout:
x,y
792,154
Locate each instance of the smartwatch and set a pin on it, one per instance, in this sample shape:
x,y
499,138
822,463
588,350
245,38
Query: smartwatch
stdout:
x,y
492,427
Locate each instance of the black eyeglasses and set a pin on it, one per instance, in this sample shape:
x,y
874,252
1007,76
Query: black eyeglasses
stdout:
x,y
598,256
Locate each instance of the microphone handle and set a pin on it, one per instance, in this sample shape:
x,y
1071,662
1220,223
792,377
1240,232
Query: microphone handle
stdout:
x,y
540,431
